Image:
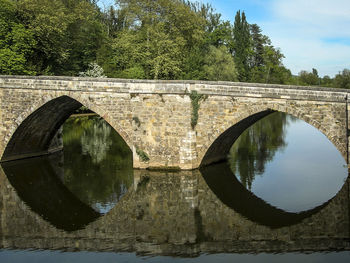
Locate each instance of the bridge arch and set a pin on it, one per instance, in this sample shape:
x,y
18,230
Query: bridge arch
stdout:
x,y
33,130
217,149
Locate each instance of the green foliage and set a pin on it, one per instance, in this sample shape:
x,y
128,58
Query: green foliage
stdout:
x,y
265,60
309,78
241,45
258,43
165,54
326,81
136,72
83,110
195,99
193,64
256,59
144,180
11,62
137,121
140,39
219,65
342,80
16,42
274,71
152,38
143,156
68,34
220,34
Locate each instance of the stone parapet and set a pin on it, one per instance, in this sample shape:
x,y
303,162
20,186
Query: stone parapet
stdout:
x,y
236,89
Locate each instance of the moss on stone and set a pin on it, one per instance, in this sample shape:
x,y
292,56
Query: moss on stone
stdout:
x,y
137,121
143,156
195,99
164,168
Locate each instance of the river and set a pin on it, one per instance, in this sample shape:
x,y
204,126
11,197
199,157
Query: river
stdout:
x,y
282,195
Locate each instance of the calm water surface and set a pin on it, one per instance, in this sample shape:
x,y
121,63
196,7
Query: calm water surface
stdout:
x,y
283,192
288,163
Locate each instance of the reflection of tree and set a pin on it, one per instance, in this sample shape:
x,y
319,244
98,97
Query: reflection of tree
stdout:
x,y
95,141
256,146
97,162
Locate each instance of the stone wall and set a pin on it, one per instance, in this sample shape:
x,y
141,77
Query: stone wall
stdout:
x,y
154,117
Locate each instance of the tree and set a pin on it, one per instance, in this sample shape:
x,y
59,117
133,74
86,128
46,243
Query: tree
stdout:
x,y
165,57
309,78
48,21
221,35
148,39
258,42
16,42
219,65
68,34
241,45
127,51
342,80
275,72
327,81
156,40
217,33
94,71
84,36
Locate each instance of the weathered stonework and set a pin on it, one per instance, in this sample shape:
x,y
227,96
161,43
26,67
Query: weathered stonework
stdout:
x,y
155,116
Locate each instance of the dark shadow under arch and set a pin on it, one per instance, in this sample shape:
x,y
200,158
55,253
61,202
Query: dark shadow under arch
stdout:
x,y
34,135
220,148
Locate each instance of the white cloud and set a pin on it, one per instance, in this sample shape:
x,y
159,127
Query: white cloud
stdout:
x,y
319,11
306,54
309,33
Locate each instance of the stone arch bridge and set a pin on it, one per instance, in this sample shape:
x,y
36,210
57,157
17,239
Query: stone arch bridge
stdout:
x,y
156,118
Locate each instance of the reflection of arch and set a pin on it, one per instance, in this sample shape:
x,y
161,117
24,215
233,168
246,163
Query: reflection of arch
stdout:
x,y
218,148
37,183
232,193
37,126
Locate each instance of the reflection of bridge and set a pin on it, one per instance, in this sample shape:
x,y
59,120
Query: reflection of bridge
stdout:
x,y
154,117
176,215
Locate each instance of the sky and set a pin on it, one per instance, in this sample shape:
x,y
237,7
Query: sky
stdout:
x,y
310,33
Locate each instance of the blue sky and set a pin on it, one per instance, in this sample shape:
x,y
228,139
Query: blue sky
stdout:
x,y
310,33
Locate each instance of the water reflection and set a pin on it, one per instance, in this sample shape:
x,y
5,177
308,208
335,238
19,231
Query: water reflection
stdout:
x,y
97,162
37,183
178,214
183,214
288,163
232,193
72,189
257,146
